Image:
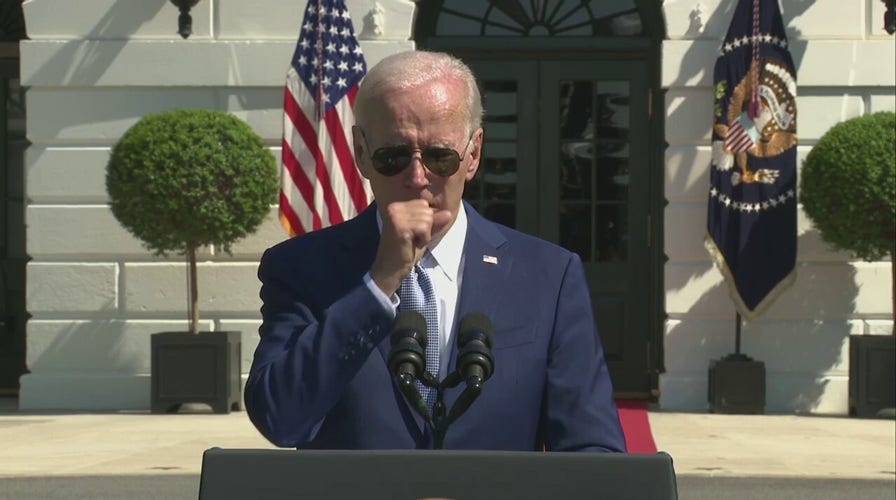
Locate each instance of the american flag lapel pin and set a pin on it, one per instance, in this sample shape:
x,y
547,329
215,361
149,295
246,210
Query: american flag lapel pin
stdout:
x,y
489,259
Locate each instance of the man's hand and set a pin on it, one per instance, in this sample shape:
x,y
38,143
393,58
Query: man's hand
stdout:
x,y
408,228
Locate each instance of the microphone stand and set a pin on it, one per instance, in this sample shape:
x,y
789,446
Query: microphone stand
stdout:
x,y
439,421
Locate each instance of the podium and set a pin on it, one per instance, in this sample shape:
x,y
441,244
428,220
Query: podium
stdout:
x,y
428,474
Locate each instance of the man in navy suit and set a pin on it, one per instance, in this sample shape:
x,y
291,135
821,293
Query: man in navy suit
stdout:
x,y
320,377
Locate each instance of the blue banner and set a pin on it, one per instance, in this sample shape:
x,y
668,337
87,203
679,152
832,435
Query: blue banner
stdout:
x,y
751,221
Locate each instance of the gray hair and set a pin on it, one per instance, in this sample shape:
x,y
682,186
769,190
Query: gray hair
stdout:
x,y
410,69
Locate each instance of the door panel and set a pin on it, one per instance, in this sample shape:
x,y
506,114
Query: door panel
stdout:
x,y
12,231
507,173
595,197
575,173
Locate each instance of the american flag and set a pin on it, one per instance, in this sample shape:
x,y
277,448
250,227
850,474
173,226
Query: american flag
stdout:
x,y
738,139
319,184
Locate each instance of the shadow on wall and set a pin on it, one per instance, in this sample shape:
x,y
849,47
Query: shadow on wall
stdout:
x,y
87,365
799,352
103,114
717,24
69,64
112,346
90,346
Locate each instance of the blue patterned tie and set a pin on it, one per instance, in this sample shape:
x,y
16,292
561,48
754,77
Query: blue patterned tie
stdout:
x,y
416,294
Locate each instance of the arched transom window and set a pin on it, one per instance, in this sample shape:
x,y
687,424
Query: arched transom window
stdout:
x,y
539,18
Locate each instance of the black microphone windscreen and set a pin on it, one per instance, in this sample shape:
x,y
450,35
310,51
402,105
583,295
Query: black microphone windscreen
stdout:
x,y
410,321
476,322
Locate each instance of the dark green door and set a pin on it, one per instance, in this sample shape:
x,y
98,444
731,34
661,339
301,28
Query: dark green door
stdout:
x,y
12,227
566,159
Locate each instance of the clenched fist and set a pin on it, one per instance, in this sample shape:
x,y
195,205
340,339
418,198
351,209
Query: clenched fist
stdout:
x,y
408,228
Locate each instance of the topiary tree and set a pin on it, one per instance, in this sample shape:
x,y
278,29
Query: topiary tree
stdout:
x,y
184,179
848,188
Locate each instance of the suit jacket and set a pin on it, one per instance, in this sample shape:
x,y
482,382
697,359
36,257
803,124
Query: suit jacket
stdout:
x,y
320,377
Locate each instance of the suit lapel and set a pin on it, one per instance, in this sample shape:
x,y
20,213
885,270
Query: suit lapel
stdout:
x,y
361,239
486,265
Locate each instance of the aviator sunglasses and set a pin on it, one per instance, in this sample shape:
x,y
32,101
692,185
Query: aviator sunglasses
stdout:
x,y
391,160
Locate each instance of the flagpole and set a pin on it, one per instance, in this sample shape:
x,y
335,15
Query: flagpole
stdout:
x,y
737,334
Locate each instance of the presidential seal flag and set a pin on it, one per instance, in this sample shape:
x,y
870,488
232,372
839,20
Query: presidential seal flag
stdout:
x,y
319,184
751,222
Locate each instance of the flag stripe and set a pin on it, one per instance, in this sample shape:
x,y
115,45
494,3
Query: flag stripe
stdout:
x,y
343,152
316,167
297,186
324,155
300,165
738,140
297,176
288,217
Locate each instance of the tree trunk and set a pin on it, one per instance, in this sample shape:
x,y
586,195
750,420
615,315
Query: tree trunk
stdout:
x,y
194,291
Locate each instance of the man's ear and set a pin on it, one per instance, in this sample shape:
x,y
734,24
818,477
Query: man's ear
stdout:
x,y
474,149
360,155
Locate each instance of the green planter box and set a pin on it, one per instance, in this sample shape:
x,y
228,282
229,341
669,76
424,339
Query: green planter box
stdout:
x,y
203,368
872,383
736,385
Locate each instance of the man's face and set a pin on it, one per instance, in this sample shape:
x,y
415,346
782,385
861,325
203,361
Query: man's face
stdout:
x,y
432,115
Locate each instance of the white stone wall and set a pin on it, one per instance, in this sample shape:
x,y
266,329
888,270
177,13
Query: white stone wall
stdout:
x,y
845,68
93,68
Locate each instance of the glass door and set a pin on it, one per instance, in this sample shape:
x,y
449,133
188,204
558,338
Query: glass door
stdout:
x,y
565,158
594,192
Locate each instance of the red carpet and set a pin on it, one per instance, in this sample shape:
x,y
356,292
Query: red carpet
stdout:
x,y
635,426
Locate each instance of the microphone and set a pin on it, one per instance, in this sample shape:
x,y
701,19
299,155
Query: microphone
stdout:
x,y
475,362
407,357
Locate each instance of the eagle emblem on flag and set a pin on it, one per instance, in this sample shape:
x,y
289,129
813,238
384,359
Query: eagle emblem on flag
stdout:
x,y
767,134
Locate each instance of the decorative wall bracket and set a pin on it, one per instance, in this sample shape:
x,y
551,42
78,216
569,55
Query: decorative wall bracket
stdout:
x,y
696,20
889,16
374,23
184,20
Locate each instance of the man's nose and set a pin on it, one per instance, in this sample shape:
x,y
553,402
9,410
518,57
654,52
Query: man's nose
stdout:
x,y
417,171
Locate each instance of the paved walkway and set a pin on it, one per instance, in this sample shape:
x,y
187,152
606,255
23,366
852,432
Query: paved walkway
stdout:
x,y
42,444
777,445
